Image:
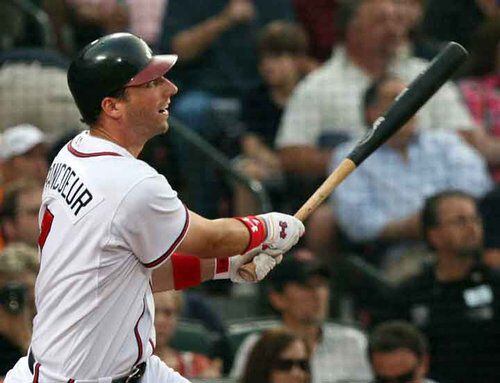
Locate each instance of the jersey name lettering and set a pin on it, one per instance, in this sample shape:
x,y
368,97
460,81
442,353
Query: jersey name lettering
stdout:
x,y
63,179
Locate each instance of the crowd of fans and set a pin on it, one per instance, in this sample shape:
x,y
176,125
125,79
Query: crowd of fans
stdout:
x,y
284,88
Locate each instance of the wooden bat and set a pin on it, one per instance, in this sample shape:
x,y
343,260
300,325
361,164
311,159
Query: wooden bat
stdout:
x,y
402,109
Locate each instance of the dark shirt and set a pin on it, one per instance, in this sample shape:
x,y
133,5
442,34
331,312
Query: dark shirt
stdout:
x,y
461,320
229,66
9,355
261,115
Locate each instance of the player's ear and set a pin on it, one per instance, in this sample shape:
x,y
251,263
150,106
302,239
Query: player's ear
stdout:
x,y
112,107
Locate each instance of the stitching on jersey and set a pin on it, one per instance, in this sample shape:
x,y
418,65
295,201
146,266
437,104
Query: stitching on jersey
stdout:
x,y
173,246
77,153
138,336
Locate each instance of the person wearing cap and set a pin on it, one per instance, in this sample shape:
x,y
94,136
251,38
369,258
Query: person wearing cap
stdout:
x,y
23,151
18,267
113,231
299,292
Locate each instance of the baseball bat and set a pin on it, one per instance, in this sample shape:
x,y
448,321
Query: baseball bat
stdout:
x,y
406,104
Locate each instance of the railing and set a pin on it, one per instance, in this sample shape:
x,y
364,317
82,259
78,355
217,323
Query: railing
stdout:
x,y
222,162
40,17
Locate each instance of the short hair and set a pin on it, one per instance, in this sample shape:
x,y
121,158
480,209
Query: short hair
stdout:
x,y
265,353
282,37
393,335
94,115
430,216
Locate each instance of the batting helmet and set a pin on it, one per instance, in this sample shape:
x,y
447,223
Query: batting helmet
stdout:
x,y
109,64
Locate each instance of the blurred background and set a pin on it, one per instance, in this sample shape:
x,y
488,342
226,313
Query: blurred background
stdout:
x,y
397,274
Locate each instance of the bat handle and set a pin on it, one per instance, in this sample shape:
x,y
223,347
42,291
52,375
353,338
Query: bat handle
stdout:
x,y
346,167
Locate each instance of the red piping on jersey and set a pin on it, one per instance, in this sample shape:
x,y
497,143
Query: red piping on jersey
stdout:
x,y
174,245
35,375
77,153
138,336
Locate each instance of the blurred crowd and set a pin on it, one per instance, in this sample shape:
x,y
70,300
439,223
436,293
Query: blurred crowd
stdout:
x,y
397,277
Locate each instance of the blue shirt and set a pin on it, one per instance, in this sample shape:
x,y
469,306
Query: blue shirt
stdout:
x,y
386,187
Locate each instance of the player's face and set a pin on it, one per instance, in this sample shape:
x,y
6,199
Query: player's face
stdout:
x,y
400,365
147,107
291,366
306,303
459,229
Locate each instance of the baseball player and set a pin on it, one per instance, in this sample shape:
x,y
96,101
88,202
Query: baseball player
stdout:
x,y
113,230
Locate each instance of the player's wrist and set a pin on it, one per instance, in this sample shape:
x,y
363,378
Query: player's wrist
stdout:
x,y
257,229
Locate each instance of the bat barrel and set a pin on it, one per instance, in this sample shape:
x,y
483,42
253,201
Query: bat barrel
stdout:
x,y
410,100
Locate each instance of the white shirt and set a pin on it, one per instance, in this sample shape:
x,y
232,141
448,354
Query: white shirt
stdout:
x,y
329,102
340,355
114,220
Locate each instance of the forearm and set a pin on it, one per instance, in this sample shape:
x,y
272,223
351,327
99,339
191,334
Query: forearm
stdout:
x,y
305,160
193,42
217,238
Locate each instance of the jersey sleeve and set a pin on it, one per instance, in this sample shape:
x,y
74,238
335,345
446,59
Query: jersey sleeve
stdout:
x,y
151,221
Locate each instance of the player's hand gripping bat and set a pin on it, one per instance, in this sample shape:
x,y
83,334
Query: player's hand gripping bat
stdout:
x,y
403,108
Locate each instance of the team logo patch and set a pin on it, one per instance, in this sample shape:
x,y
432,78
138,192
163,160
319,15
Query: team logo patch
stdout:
x,y
283,226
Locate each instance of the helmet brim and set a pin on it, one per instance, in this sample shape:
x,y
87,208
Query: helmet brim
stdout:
x,y
157,67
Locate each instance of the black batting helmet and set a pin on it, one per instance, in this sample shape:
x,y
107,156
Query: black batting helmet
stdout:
x,y
107,65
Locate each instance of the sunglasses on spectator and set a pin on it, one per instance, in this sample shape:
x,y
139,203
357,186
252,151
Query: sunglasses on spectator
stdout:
x,y
288,364
409,377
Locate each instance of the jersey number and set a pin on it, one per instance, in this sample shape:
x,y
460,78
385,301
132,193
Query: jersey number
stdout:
x,y
48,217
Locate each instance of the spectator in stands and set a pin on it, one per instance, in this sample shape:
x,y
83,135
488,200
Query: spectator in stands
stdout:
x,y
39,95
18,267
191,365
215,41
279,356
455,300
23,151
325,107
299,292
398,352
480,88
382,200
19,213
282,48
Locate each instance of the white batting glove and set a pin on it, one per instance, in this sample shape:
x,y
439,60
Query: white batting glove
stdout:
x,y
263,262
283,231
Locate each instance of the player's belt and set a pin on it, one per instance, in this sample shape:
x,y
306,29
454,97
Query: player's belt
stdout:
x,y
134,376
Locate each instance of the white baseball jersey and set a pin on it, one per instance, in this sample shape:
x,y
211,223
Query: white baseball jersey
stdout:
x,y
107,220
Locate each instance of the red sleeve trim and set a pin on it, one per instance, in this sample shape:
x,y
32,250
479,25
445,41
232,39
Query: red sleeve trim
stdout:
x,y
173,246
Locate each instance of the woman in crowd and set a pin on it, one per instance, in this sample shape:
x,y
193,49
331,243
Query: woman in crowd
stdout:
x,y
278,357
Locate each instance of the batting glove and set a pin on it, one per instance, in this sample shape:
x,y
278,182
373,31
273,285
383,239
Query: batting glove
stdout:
x,y
263,262
283,231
